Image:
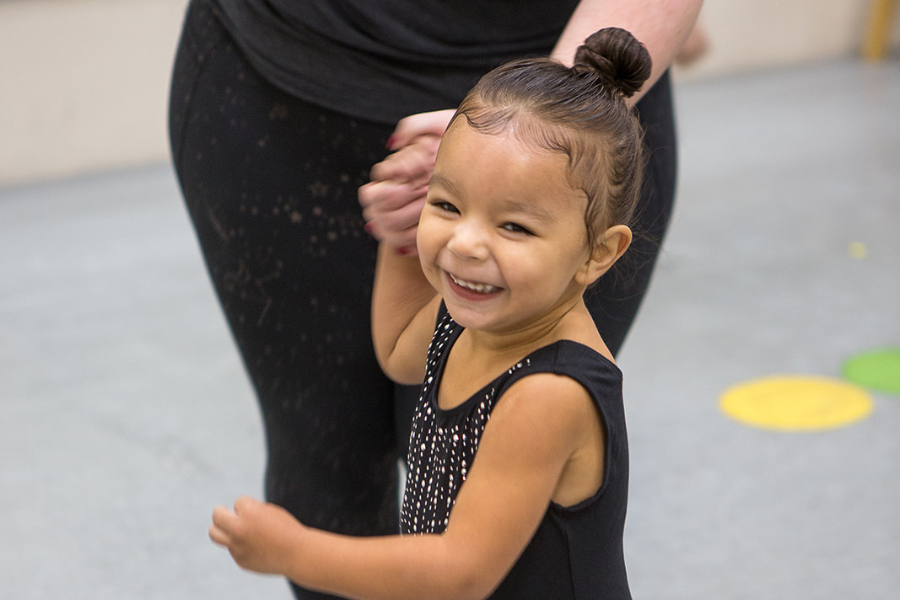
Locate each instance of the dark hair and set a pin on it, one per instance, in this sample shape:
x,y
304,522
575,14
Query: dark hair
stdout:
x,y
579,111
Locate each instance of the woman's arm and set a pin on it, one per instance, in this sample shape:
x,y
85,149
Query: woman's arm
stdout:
x,y
661,25
539,424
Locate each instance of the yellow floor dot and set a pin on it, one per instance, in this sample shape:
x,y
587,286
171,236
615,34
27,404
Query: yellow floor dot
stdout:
x,y
796,403
857,250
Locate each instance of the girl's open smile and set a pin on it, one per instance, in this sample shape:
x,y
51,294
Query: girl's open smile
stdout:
x,y
471,289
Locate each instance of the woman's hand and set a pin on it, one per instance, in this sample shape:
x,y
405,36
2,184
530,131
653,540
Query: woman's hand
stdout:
x,y
393,200
413,126
261,537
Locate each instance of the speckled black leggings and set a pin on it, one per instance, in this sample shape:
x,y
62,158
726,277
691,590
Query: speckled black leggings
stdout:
x,y
270,183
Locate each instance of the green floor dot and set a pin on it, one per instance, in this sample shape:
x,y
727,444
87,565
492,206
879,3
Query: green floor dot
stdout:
x,y
876,370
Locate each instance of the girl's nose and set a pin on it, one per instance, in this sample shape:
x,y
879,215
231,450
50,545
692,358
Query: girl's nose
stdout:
x,y
469,240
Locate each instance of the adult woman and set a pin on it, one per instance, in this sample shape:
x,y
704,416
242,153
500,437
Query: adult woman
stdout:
x,y
279,108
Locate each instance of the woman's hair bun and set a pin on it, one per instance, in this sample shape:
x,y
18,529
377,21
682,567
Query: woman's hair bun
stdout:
x,y
617,58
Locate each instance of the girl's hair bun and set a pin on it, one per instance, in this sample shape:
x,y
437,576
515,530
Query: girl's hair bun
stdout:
x,y
617,58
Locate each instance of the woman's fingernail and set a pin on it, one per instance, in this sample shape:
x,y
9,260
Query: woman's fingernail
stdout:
x,y
368,227
392,141
402,251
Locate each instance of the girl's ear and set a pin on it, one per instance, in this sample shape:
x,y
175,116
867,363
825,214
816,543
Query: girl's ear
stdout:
x,y
608,249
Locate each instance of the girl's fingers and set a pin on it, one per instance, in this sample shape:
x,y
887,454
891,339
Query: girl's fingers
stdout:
x,y
397,227
218,536
245,503
220,515
222,520
366,194
391,198
388,209
401,219
386,196
412,161
403,242
403,166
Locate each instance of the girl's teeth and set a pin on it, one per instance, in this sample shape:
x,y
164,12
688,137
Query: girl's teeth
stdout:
x,y
481,288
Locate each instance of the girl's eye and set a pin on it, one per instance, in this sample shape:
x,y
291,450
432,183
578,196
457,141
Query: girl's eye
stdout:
x,y
516,228
445,206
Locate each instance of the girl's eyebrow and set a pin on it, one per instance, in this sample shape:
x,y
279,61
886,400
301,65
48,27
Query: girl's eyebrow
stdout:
x,y
518,206
441,181
530,209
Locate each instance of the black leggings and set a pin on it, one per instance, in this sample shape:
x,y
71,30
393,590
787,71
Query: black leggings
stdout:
x,y
270,183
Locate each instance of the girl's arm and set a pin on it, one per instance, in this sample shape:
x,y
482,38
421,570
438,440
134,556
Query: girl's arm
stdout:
x,y
661,25
404,310
535,430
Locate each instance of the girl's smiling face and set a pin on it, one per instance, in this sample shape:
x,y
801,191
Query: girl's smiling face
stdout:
x,y
502,236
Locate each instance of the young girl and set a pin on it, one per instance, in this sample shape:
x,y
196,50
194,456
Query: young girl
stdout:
x,y
518,461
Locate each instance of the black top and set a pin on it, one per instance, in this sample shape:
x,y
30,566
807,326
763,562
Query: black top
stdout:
x,y
382,60
577,551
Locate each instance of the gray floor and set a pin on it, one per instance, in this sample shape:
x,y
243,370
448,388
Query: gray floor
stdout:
x,y
125,415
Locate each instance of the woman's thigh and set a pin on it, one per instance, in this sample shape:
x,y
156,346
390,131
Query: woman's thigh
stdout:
x,y
615,299
270,185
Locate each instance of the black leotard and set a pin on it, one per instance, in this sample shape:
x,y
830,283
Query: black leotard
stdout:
x,y
577,551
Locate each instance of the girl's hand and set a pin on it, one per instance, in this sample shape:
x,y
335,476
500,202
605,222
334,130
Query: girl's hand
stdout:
x,y
261,537
393,201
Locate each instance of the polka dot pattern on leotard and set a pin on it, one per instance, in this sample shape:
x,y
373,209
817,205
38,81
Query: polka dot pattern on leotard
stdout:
x,y
441,449
442,443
